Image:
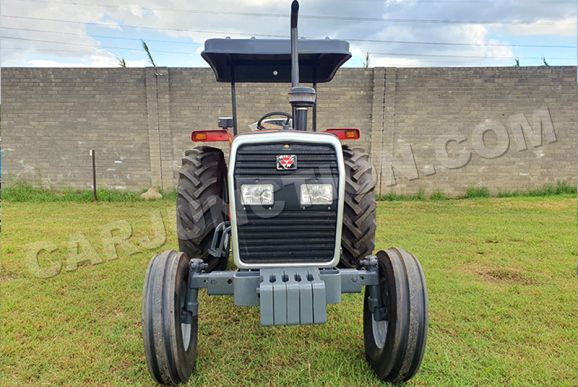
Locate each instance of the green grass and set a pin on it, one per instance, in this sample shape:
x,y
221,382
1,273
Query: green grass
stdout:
x,y
501,275
393,197
560,188
438,195
477,192
22,192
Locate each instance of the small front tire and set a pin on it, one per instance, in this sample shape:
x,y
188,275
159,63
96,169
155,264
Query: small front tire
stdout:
x,y
169,331
394,348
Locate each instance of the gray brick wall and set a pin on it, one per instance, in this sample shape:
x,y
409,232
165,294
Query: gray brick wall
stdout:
x,y
51,118
432,103
432,129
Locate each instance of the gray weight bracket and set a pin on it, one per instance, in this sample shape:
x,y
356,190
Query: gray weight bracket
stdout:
x,y
285,296
292,296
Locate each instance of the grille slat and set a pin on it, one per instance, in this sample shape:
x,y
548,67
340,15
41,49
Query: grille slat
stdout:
x,y
245,157
311,214
291,236
291,256
274,241
281,235
284,228
301,172
274,248
291,222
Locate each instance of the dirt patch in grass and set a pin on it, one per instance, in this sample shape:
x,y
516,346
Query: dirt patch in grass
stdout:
x,y
507,275
4,277
7,275
502,275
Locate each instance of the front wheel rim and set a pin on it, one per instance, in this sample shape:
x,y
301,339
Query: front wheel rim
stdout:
x,y
186,335
185,318
379,329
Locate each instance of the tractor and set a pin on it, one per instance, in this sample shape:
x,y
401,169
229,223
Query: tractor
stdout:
x,y
296,208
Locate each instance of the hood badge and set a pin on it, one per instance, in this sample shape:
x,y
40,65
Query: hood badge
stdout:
x,y
286,162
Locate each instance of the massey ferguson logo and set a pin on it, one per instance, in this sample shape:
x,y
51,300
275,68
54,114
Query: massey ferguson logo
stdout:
x,y
286,162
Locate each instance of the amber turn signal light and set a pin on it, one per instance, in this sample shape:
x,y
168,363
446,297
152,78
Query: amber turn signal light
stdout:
x,y
210,135
345,133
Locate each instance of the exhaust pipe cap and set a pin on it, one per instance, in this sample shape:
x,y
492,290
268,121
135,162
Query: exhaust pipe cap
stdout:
x,y
301,96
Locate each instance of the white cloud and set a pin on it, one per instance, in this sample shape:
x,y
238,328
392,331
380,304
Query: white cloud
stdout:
x,y
53,63
112,61
564,27
103,59
169,16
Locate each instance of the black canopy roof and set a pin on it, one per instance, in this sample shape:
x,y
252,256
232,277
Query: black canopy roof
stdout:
x,y
269,60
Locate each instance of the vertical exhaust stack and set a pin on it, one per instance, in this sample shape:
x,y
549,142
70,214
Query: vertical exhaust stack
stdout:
x,y
301,98
294,49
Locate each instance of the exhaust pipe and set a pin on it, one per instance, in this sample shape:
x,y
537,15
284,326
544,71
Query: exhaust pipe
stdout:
x,y
301,98
294,37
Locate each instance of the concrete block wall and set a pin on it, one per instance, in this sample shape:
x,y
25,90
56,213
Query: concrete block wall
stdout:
x,y
427,107
51,118
426,129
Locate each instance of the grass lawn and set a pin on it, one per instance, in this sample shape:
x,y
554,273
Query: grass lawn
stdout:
x,y
501,275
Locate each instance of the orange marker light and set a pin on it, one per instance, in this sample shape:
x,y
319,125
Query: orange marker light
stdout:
x,y
345,133
210,135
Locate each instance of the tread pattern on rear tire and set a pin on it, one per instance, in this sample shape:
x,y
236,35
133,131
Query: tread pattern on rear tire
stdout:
x,y
200,203
358,235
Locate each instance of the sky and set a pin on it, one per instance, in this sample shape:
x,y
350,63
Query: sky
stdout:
x,y
399,33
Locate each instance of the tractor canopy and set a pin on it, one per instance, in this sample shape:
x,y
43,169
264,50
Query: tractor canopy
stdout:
x,y
269,60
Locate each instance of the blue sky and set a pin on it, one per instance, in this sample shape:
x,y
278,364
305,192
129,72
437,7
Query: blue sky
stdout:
x,y
402,33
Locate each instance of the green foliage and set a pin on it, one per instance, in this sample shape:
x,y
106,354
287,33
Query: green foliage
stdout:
x,y
169,195
27,193
22,192
438,195
545,62
121,62
560,188
473,192
420,195
477,192
393,197
149,54
366,60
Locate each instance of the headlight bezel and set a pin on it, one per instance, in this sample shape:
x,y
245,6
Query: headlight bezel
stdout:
x,y
255,197
316,194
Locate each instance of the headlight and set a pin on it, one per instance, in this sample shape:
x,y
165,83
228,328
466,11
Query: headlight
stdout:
x,y
312,194
257,194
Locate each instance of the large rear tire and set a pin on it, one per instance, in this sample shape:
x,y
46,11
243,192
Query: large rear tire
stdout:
x,y
169,331
358,235
394,347
201,204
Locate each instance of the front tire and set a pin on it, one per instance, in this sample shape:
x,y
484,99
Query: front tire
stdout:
x,y
169,331
394,347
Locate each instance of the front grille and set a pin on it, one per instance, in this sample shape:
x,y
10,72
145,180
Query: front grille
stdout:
x,y
260,160
291,234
